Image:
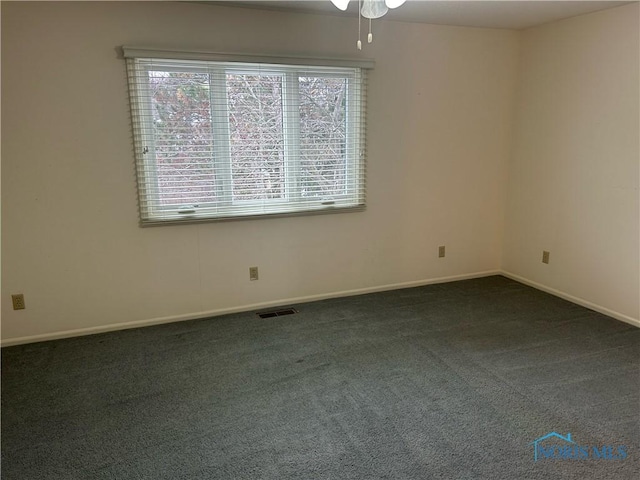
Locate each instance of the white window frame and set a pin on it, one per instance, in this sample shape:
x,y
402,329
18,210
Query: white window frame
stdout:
x,y
140,62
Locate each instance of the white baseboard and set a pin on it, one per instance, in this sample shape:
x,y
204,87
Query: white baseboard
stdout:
x,y
580,301
244,308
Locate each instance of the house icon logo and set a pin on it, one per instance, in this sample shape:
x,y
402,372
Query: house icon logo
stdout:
x,y
535,443
554,446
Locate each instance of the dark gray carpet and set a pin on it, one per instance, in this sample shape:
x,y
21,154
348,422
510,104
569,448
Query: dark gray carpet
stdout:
x,y
447,381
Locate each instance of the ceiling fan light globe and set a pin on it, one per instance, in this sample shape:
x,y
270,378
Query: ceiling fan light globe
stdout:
x,y
341,4
373,8
393,3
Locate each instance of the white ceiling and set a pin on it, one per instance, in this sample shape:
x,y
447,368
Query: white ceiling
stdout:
x,y
513,14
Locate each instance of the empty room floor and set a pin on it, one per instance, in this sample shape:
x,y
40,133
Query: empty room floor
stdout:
x,y
451,381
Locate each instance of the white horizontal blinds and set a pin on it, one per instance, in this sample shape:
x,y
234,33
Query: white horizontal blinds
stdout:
x,y
181,132
256,114
324,155
234,139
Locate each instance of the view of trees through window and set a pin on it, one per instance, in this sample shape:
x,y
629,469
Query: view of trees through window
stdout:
x,y
237,142
256,136
183,133
323,135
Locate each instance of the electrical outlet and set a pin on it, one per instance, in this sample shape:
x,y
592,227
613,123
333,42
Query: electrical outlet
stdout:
x,y
441,251
545,256
18,301
253,273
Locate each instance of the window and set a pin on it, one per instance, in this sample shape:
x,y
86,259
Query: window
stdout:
x,y
220,138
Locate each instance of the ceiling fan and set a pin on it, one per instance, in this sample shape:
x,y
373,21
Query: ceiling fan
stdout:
x,y
369,9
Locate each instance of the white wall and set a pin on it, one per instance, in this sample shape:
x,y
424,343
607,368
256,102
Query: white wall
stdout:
x,y
439,131
573,175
